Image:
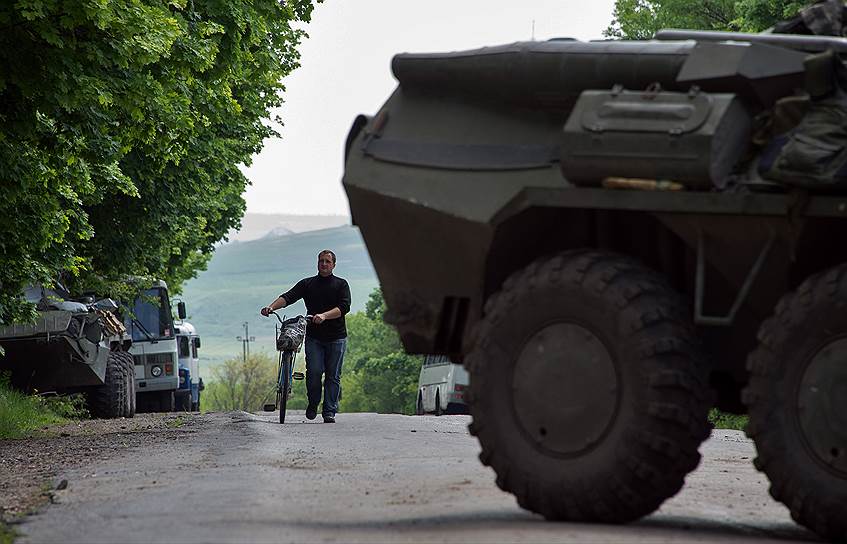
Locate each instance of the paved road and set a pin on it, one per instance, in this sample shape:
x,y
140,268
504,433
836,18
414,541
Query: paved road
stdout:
x,y
370,478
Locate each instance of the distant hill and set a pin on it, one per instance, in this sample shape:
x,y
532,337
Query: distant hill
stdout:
x,y
278,231
243,277
257,225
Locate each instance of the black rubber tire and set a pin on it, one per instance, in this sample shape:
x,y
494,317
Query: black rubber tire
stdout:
x,y
110,399
804,322
438,410
419,409
652,438
285,385
129,374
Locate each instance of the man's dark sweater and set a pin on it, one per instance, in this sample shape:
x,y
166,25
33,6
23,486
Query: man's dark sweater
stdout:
x,y
322,294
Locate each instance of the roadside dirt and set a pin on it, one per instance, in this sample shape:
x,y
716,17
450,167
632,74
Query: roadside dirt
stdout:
x,y
29,466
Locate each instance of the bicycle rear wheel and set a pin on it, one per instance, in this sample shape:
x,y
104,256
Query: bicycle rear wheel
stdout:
x,y
284,382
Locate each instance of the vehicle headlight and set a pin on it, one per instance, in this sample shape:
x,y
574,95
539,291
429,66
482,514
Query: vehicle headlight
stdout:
x,y
156,371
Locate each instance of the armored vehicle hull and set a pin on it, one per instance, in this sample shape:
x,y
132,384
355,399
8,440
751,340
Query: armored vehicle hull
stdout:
x,y
586,228
78,350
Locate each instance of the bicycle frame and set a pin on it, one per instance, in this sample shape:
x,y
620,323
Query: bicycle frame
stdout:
x,y
285,373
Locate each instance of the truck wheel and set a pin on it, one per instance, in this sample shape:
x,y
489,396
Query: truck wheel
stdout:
x,y
109,400
438,410
795,399
588,388
419,409
129,376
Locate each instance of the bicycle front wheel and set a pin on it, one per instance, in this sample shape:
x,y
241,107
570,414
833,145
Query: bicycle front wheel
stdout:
x,y
285,382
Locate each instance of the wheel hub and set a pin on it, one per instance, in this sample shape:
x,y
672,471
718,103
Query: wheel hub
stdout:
x,y
565,389
822,417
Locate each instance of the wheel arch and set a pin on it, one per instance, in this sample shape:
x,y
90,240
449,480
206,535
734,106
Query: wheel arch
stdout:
x,y
540,231
668,244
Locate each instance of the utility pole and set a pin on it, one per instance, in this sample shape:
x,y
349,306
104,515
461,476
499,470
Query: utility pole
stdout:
x,y
245,341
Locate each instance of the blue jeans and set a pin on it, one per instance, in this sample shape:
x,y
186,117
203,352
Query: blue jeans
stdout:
x,y
324,358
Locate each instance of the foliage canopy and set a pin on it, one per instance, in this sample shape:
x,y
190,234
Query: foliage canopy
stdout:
x,y
122,127
641,19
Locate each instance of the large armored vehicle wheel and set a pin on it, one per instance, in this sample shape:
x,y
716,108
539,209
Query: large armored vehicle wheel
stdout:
x,y
129,374
588,388
796,399
110,399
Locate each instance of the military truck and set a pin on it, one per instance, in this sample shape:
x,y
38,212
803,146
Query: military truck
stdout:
x,y
73,347
614,237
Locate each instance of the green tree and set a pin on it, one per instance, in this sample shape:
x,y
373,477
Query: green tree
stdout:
x,y
237,384
640,19
122,127
378,375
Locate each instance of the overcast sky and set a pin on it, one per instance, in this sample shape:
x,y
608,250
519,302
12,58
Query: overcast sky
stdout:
x,y
346,71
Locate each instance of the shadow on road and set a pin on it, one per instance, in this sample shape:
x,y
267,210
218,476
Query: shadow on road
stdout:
x,y
654,528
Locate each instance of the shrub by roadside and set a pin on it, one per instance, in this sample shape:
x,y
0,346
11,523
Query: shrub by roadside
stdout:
x,y
21,414
724,420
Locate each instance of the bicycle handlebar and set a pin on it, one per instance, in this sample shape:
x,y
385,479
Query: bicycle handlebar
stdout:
x,y
309,318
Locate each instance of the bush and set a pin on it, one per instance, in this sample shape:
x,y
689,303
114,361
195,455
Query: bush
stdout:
x,y
378,376
21,414
724,420
237,384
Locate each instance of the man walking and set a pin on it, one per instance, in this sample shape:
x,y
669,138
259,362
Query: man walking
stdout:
x,y
327,298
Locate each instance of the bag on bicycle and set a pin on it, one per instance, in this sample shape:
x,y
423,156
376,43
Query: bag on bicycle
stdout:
x,y
292,334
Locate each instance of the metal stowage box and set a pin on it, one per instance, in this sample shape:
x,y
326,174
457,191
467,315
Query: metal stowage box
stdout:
x,y
694,138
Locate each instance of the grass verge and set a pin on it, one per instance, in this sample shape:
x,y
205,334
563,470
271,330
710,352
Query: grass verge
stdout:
x,y
7,533
22,414
724,420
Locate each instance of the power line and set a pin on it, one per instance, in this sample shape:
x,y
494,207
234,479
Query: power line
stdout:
x,y
245,341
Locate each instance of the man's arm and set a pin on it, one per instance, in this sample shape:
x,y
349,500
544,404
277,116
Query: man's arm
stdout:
x,y
342,308
335,313
275,305
289,297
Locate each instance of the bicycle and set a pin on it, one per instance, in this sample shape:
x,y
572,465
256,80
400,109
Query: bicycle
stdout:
x,y
289,338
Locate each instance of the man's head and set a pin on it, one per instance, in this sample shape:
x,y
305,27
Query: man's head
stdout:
x,y
326,262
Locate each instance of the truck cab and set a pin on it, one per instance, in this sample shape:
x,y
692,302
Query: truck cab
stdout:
x,y
154,349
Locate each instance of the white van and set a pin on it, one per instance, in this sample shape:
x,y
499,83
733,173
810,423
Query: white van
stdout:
x,y
441,387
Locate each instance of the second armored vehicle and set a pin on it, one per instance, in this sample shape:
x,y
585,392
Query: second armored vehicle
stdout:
x,y
73,347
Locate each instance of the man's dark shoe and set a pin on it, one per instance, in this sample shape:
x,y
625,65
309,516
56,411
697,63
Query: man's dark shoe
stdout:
x,y
329,419
311,413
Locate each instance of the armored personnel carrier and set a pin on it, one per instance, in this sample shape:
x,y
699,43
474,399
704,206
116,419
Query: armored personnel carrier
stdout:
x,y
73,347
614,237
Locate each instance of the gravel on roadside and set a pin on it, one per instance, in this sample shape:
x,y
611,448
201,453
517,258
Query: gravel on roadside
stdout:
x,y
29,466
